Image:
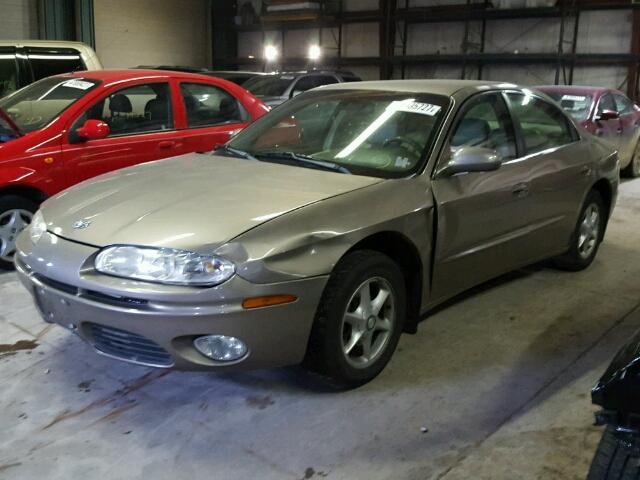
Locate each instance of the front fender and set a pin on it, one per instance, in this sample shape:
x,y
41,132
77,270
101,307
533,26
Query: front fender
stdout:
x,y
311,240
619,388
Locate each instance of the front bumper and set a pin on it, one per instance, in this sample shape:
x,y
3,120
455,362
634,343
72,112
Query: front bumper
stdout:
x,y
155,325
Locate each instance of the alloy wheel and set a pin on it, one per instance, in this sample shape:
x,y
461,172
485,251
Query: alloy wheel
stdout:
x,y
368,322
589,231
12,222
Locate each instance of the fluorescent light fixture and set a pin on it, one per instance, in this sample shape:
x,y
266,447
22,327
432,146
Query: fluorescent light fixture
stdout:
x,y
315,52
270,53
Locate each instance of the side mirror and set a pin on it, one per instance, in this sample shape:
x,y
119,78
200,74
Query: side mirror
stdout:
x,y
607,115
471,159
93,130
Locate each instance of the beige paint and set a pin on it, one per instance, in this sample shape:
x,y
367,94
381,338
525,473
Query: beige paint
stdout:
x,y
152,32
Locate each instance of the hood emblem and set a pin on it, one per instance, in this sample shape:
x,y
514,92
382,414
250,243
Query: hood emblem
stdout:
x,y
81,224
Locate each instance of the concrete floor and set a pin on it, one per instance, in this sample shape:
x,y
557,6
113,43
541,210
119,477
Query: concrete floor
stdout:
x,y
499,379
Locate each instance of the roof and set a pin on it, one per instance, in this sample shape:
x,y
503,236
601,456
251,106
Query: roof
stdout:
x,y
438,87
572,89
42,43
133,73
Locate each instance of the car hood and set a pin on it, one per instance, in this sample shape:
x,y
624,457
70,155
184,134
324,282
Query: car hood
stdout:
x,y
193,201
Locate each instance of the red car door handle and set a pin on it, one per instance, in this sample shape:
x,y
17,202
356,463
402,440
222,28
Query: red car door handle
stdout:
x,y
166,144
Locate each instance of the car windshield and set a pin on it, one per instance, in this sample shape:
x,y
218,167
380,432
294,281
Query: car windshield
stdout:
x,y
382,134
34,106
578,105
269,85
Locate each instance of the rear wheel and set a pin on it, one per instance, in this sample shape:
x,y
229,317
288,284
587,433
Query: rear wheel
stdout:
x,y
359,319
633,169
587,235
614,460
15,215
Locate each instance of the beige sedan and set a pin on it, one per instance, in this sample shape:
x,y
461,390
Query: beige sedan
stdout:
x,y
322,231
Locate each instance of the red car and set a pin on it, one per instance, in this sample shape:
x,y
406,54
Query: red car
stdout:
x,y
65,129
608,114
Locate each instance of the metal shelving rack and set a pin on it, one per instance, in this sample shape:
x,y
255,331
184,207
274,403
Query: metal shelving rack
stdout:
x,y
395,16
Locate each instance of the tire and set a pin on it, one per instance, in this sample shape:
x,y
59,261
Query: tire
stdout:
x,y
11,226
613,460
338,323
633,169
577,258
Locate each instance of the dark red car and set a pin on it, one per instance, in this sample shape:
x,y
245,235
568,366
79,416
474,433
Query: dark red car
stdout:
x,y
65,129
606,113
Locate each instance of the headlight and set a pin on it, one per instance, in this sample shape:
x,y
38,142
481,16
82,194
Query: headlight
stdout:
x,y
164,265
38,227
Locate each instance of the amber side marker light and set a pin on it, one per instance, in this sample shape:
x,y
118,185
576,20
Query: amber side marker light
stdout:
x,y
268,301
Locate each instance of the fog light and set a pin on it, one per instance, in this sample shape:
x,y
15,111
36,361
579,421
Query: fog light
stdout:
x,y
220,347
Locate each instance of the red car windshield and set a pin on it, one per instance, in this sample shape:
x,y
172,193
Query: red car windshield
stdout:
x,y
36,105
578,105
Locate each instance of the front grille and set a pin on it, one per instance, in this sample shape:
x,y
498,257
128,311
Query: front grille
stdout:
x,y
129,346
114,300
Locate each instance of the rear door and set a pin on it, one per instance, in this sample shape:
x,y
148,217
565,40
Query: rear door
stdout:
x,y
212,115
141,121
559,169
482,217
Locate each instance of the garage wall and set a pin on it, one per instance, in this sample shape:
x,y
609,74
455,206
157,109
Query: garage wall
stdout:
x,y
19,20
152,32
605,31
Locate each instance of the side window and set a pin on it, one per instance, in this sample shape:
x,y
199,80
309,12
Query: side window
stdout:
x,y
542,124
208,105
8,74
623,104
138,109
486,123
45,63
606,103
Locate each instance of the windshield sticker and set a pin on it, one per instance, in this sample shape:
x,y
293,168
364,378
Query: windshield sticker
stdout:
x,y
79,84
575,98
419,107
402,162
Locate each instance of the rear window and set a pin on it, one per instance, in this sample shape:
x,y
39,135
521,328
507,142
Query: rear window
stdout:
x,y
269,85
578,105
45,62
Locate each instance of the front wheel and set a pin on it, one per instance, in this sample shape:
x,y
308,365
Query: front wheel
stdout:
x,y
359,319
15,215
587,235
615,459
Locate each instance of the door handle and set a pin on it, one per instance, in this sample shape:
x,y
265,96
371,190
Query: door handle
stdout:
x,y
166,144
619,130
521,190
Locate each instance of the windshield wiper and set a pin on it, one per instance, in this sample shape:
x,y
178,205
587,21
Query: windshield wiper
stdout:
x,y
5,116
236,152
304,160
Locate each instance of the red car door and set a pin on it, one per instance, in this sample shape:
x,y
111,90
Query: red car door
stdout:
x,y
140,116
212,115
610,130
630,123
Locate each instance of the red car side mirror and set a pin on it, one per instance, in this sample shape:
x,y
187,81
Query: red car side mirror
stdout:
x,y
93,130
607,115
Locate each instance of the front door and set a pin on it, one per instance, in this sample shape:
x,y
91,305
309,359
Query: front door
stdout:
x,y
141,123
630,123
609,130
482,217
